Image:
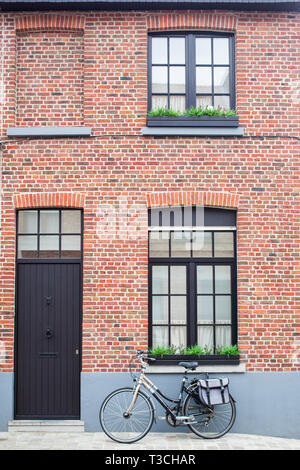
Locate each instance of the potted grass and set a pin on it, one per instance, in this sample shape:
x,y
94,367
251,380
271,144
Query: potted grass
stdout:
x,y
207,116
172,355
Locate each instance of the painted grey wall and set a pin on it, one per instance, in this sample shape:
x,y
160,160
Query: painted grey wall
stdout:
x,y
267,403
6,399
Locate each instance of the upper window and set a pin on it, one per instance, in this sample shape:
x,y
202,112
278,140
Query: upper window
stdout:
x,y
191,70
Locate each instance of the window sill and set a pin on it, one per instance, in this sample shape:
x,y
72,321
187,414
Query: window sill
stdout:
x,y
49,131
188,121
193,131
212,365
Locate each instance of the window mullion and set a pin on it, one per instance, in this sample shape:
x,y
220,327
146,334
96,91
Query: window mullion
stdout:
x,y
192,302
190,71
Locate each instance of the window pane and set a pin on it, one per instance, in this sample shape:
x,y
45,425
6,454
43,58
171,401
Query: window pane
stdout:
x,y
71,221
178,309
49,221
159,309
223,308
202,244
159,245
223,336
49,246
180,244
222,279
204,279
221,50
159,101
203,51
205,309
159,50
159,79
178,336
160,336
160,279
177,79
178,279
177,51
203,101
177,103
70,246
203,80
222,102
224,245
221,79
205,336
27,246
27,221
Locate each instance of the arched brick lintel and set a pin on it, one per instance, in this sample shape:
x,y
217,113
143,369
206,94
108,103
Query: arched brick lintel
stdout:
x,y
191,198
208,21
49,22
34,200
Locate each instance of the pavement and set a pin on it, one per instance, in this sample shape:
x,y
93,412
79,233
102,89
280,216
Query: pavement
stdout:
x,y
153,441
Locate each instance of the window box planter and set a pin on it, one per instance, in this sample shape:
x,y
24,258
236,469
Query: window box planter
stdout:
x,y
203,359
188,121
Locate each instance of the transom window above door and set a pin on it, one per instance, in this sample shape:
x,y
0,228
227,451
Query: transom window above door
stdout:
x,y
49,233
191,70
192,277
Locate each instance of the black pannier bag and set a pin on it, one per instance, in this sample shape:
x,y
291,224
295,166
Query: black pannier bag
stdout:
x,y
214,391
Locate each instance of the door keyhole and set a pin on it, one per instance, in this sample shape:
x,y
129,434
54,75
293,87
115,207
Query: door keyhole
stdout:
x,y
49,333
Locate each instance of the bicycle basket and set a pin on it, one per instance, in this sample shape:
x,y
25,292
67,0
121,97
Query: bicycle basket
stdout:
x,y
214,391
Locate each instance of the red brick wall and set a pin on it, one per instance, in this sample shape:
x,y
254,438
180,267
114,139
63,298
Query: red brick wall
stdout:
x,y
119,167
49,78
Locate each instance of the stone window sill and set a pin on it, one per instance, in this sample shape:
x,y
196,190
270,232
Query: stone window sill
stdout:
x,y
49,131
193,131
211,369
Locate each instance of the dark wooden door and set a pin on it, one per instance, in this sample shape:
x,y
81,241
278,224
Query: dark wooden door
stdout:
x,y
48,340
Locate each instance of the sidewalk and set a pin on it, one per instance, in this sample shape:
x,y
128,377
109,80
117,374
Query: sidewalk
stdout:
x,y
153,441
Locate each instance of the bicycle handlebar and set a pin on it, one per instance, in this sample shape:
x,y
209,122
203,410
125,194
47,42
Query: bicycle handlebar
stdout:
x,y
141,356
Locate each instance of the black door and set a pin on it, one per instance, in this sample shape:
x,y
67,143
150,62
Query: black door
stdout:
x,y
48,340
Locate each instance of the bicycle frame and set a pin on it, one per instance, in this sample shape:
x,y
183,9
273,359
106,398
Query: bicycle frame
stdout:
x,y
157,394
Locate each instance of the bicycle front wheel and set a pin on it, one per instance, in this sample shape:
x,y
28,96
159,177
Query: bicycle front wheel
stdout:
x,y
122,427
210,422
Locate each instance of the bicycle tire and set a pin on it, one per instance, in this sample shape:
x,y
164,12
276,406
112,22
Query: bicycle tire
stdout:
x,y
189,408
116,425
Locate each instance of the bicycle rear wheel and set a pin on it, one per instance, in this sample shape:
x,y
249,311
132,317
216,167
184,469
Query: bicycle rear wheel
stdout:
x,y
122,428
211,422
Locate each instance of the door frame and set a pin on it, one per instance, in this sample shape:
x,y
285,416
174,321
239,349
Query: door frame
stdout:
x,y
46,261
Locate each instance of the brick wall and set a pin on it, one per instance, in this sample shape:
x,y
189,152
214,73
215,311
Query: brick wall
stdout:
x,y
49,75
117,167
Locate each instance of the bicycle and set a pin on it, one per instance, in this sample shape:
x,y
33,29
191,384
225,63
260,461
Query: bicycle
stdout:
x,y
127,414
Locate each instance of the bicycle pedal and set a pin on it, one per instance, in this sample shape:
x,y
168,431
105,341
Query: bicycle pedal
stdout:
x,y
190,422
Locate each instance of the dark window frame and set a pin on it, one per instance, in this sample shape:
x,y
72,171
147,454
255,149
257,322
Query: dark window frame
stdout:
x,y
216,220
59,234
191,292
191,66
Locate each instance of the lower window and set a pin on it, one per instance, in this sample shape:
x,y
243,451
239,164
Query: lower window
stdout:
x,y
192,303
192,291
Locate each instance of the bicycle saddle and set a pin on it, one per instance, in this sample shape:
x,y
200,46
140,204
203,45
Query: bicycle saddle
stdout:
x,y
189,365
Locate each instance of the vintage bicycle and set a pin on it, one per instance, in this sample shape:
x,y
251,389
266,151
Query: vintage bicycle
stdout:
x,y
127,414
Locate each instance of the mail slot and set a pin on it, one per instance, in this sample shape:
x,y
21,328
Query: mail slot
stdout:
x,y
49,354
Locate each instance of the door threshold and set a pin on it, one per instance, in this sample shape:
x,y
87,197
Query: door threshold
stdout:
x,y
37,425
